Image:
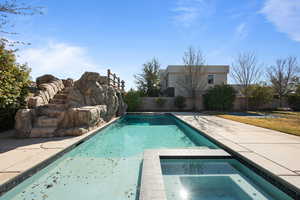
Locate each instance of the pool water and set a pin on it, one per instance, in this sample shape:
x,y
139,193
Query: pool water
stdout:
x,y
215,179
107,166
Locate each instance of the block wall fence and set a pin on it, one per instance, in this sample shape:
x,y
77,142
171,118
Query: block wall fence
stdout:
x,y
149,104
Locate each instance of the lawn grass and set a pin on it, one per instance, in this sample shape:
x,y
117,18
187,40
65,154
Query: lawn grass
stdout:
x,y
287,122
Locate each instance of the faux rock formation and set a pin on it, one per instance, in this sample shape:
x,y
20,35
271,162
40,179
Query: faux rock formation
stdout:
x,y
48,86
89,91
122,105
78,121
90,102
24,122
65,107
68,82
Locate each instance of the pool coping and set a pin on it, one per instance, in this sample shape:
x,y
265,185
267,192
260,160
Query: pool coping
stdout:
x,y
14,181
152,185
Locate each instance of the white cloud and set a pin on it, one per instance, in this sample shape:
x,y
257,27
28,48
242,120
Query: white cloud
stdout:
x,y
187,12
241,31
59,59
285,15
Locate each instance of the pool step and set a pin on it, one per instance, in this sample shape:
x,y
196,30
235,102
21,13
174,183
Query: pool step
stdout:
x,y
42,132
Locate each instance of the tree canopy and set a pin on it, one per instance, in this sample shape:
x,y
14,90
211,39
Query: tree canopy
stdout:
x,y
14,81
10,8
283,76
193,61
190,82
246,71
148,81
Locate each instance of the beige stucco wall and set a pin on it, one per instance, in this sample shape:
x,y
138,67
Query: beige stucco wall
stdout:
x,y
173,74
174,81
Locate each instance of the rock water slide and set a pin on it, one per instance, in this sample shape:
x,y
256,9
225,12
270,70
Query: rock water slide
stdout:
x,y
64,108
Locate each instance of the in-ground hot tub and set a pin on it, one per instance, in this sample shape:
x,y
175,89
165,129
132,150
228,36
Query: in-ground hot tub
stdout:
x,y
205,174
215,179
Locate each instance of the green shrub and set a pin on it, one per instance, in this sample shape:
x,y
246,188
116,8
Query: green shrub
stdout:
x,y
179,102
219,97
14,82
260,95
133,100
160,101
294,100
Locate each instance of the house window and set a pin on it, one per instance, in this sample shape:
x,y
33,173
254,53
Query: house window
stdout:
x,y
210,79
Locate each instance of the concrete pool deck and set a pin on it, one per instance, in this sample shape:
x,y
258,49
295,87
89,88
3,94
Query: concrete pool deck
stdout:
x,y
274,151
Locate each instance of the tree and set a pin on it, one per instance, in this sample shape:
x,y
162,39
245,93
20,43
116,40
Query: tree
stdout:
x,y
148,81
283,76
294,99
260,94
132,99
190,82
14,81
9,8
246,71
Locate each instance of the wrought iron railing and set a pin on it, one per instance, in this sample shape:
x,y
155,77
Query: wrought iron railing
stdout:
x,y
115,81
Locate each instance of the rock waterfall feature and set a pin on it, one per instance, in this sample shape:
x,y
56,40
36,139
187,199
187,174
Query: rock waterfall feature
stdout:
x,y
71,110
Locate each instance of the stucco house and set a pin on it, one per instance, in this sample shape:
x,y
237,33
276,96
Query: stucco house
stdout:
x,y
209,75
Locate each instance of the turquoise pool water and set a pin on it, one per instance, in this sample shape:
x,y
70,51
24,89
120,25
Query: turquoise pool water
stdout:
x,y
215,179
107,166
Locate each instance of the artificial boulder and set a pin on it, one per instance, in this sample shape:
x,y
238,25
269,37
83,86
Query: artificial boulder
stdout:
x,y
48,86
122,105
24,122
78,121
89,90
68,82
47,78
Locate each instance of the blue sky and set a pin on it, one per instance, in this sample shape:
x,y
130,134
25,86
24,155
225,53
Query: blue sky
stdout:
x,y
93,35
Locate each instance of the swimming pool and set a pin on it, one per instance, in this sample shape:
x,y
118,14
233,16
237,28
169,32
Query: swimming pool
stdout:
x,y
107,166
